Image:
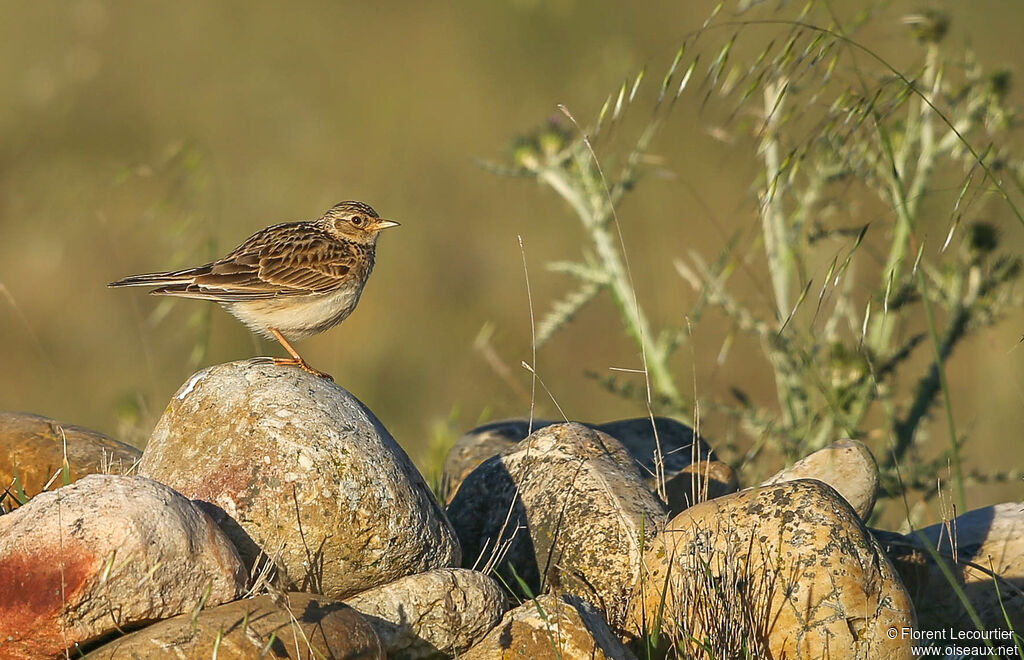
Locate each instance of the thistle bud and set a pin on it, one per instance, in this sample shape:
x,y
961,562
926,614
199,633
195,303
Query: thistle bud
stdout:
x,y
982,238
929,26
525,154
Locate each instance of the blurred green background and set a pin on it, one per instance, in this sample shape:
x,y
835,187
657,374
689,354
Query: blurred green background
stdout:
x,y
145,136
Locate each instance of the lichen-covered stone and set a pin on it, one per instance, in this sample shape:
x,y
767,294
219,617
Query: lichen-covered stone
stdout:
x,y
33,449
568,505
787,570
296,468
979,548
663,451
550,627
437,614
846,465
104,553
300,626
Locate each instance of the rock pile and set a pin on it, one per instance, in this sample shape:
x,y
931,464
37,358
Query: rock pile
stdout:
x,y
271,513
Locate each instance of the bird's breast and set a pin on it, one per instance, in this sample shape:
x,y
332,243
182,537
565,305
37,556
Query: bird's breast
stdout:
x,y
298,317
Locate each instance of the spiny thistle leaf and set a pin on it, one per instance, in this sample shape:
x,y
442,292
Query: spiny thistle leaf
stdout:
x,y
563,311
580,271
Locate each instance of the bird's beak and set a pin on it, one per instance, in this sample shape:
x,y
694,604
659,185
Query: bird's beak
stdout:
x,y
384,224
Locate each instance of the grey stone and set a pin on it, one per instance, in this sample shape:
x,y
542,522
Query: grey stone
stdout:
x,y
984,550
295,625
296,468
682,459
437,614
33,448
104,553
568,507
782,571
551,627
846,465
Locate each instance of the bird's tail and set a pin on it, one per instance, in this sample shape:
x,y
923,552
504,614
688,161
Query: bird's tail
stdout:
x,y
159,279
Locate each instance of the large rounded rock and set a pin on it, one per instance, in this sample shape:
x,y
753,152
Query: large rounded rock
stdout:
x,y
297,625
298,469
568,505
104,553
437,614
984,551
846,465
550,627
666,451
775,571
33,448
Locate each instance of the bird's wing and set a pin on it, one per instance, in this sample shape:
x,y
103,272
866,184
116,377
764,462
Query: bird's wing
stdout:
x,y
280,261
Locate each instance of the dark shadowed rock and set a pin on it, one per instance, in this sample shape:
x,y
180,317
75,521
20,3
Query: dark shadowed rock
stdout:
x,y
551,627
33,448
984,551
298,468
664,450
774,571
476,446
577,512
437,614
699,482
104,553
298,625
846,465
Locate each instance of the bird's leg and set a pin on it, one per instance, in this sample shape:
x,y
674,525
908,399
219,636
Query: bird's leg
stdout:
x,y
295,358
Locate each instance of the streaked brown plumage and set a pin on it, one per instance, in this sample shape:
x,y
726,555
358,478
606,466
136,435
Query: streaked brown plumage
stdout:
x,y
288,281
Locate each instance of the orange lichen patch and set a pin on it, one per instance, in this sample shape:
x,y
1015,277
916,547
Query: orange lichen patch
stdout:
x,y
35,589
230,481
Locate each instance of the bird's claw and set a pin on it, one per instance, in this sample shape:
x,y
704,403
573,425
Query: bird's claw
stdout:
x,y
305,366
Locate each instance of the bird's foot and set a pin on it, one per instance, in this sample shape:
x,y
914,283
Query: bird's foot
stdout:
x,y
302,364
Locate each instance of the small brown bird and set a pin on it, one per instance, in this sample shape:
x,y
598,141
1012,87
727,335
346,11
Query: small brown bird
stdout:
x,y
288,281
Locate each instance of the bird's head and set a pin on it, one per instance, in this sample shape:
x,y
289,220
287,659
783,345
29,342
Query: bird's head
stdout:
x,y
355,221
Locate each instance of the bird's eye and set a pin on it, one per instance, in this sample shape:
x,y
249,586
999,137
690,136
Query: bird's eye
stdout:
x,y
357,220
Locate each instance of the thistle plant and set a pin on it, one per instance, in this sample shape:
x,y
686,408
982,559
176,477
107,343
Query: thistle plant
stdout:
x,y
853,301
